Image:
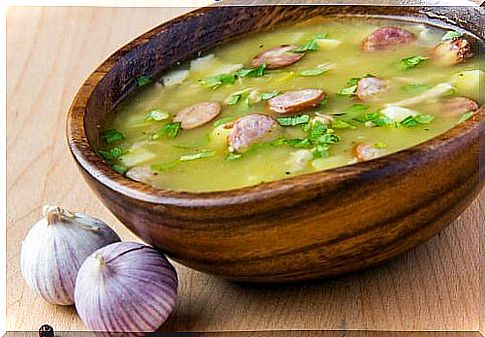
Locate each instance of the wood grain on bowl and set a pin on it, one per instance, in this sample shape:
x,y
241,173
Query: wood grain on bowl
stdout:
x,y
301,228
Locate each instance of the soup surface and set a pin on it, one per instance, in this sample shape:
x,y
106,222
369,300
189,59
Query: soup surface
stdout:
x,y
295,100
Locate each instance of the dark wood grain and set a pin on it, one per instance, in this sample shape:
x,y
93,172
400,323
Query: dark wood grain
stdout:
x,y
301,228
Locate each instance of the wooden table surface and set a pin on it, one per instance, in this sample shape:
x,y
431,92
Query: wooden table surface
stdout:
x,y
50,51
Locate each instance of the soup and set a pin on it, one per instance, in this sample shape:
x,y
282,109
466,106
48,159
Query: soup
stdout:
x,y
294,100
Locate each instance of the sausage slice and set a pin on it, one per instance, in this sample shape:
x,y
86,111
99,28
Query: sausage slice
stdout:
x,y
197,114
365,151
277,57
452,52
456,106
387,37
248,129
369,88
294,101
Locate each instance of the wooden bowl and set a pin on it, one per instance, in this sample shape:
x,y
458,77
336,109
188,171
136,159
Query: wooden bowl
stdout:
x,y
305,227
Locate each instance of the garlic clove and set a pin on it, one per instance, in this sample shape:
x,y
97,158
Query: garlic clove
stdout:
x,y
54,249
125,287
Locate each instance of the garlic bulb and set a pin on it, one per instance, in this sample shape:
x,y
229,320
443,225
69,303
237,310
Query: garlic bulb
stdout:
x,y
125,287
54,249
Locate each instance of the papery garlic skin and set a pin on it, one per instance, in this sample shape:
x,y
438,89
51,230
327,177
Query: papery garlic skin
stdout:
x,y
125,287
54,249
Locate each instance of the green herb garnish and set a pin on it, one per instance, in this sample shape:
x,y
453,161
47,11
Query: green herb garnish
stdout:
x,y
268,95
222,121
355,80
412,121
356,108
311,45
214,82
233,156
352,86
412,61
198,155
323,102
328,138
143,80
377,118
299,143
233,99
156,115
321,151
112,136
119,168
451,34
348,91
293,120
317,129
251,72
313,72
465,116
321,137
339,123
113,153
170,130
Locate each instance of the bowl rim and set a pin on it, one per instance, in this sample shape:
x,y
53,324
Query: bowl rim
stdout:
x,y
89,161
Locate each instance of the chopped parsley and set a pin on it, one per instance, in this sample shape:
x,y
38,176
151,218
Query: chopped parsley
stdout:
x,y
113,153
119,168
143,80
340,123
156,115
268,95
323,102
251,72
377,118
317,129
233,99
313,71
321,151
320,137
245,98
299,143
412,121
198,155
222,121
348,91
351,90
411,62
293,120
170,130
465,116
311,45
233,156
451,35
355,80
356,108
112,136
214,82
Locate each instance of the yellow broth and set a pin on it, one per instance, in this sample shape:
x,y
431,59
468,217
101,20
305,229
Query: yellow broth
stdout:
x,y
340,52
